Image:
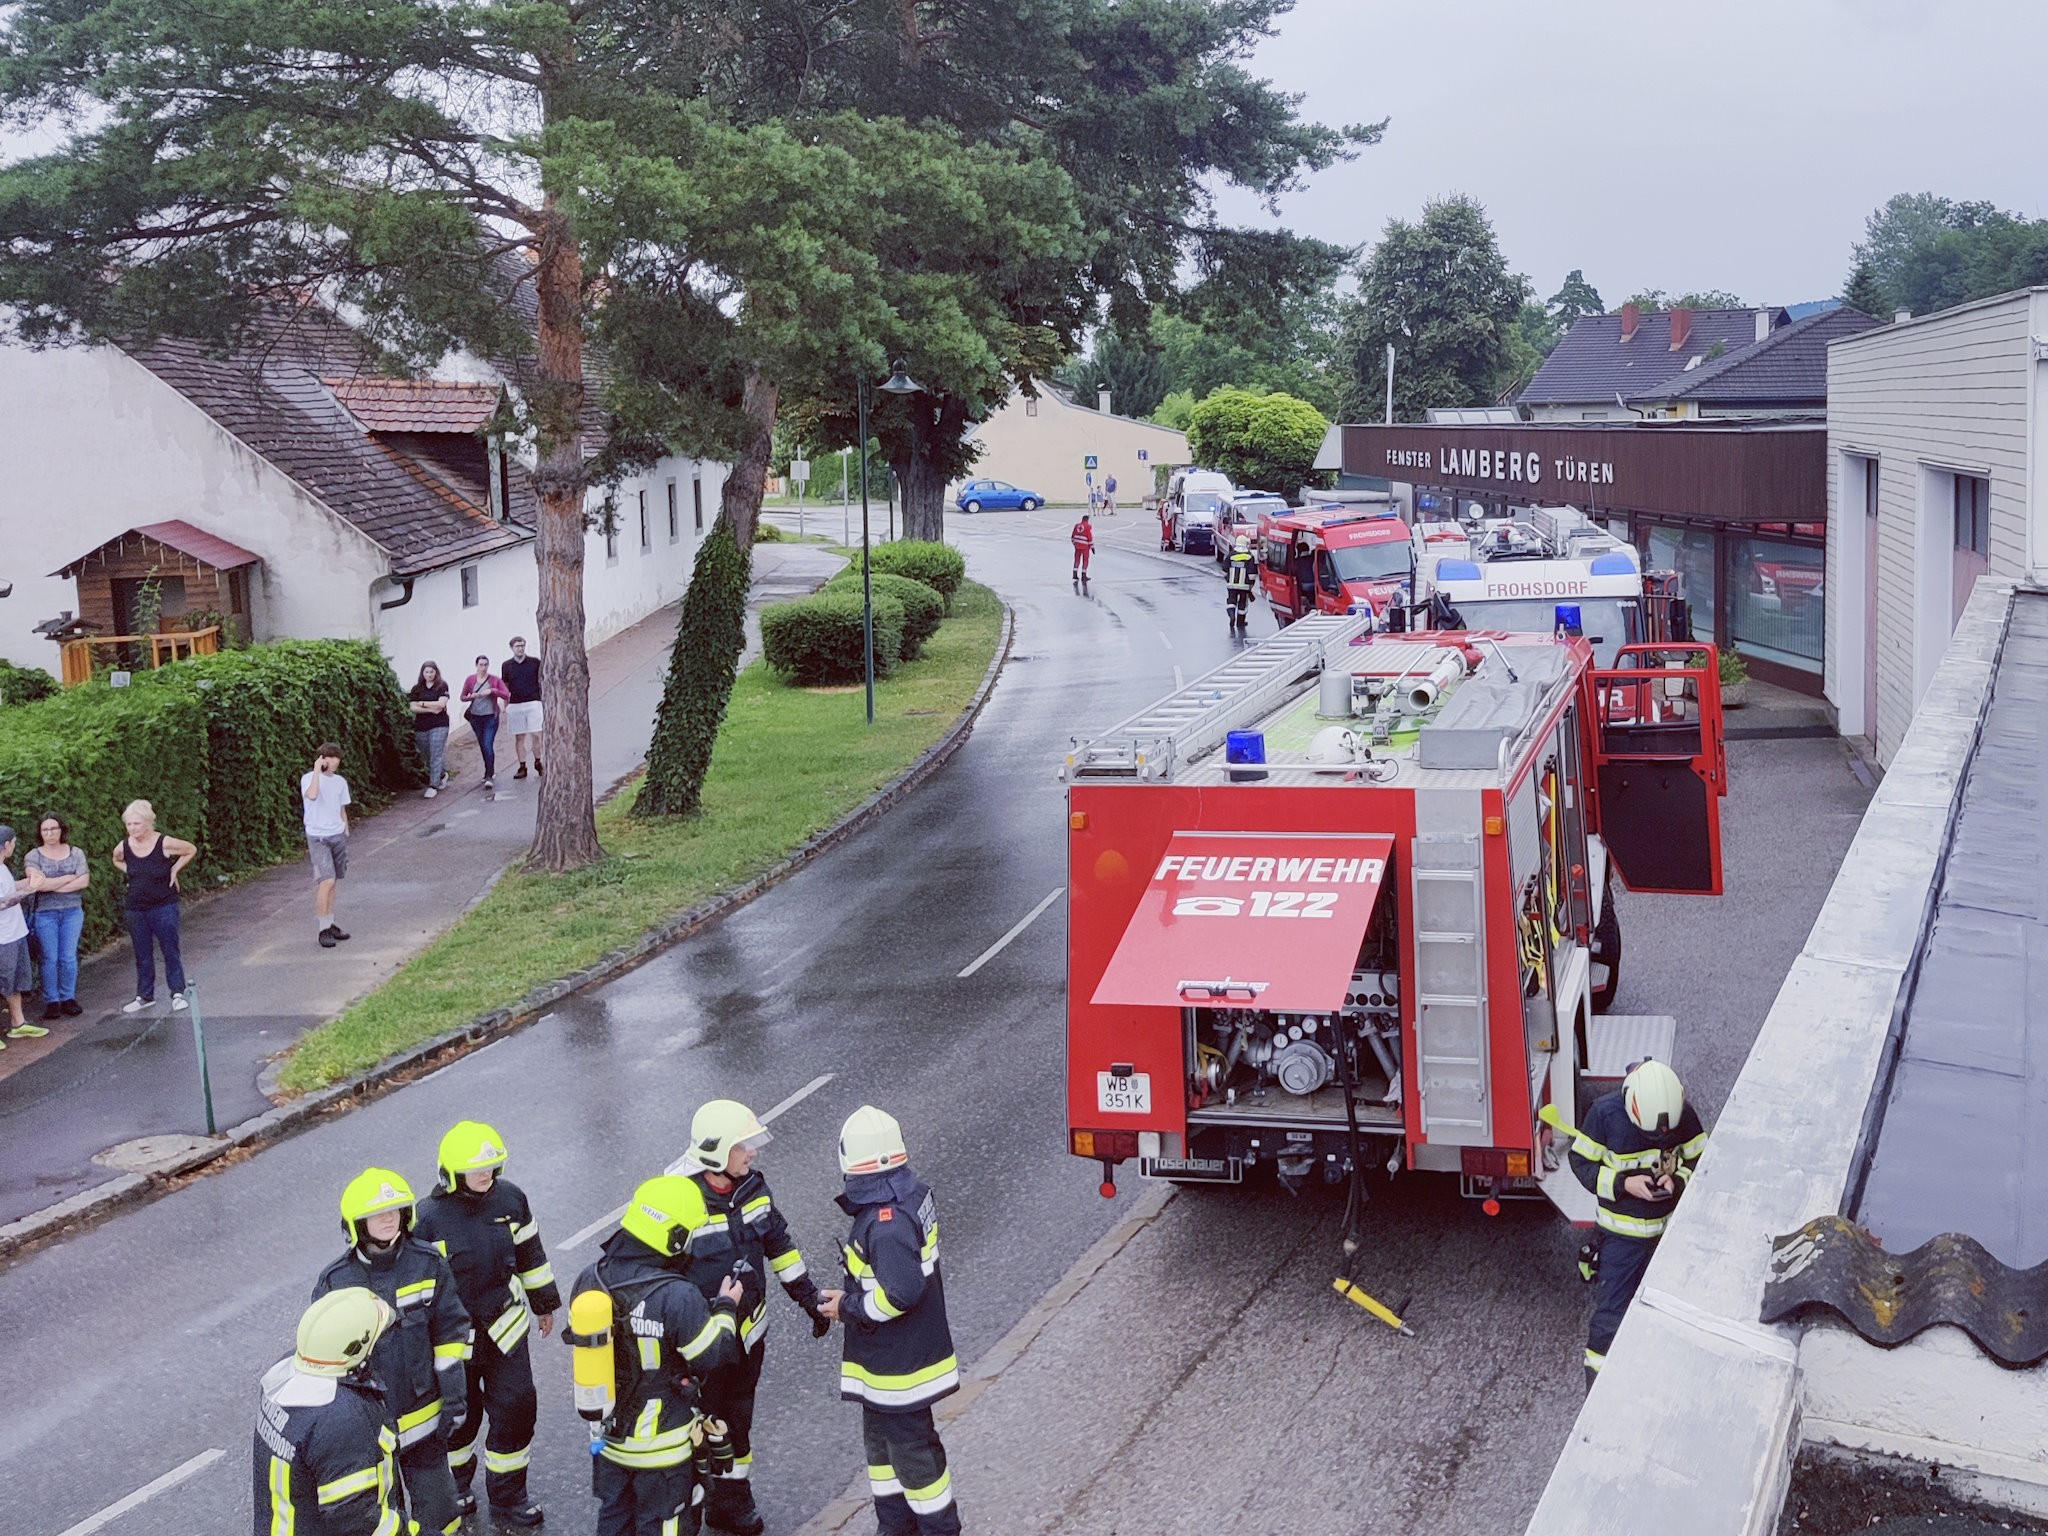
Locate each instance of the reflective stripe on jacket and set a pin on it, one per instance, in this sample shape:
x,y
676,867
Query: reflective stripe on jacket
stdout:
x,y
899,1349
432,1334
493,1248
1608,1147
749,1240
324,1467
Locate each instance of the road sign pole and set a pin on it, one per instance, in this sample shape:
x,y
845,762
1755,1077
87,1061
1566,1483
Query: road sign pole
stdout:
x,y
199,1045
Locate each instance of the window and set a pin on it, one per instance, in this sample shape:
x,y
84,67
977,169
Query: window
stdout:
x,y
1973,514
675,531
468,575
1870,488
611,538
1031,407
496,453
697,498
646,540
1777,601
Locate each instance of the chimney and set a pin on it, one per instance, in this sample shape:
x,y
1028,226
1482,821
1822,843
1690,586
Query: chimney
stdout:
x,y
1102,398
1763,324
1630,316
1681,327
1901,316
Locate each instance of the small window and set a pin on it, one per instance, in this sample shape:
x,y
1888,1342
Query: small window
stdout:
x,y
468,575
496,454
611,537
675,527
697,497
1870,487
1973,514
1030,407
646,539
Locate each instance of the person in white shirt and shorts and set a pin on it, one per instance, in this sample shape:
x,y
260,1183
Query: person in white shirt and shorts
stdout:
x,y
324,797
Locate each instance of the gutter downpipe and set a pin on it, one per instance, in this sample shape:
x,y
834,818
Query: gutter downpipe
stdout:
x,y
404,596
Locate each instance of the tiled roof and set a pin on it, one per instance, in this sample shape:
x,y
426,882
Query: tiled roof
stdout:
x,y
415,405
176,533
1789,366
1592,363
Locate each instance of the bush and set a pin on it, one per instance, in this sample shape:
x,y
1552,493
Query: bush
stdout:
x,y
24,685
923,609
817,639
939,566
710,634
768,533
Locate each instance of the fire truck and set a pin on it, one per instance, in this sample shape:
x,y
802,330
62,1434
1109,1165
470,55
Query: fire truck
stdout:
x,y
1340,904
1330,560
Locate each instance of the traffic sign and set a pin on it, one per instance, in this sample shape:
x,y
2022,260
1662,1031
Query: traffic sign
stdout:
x,y
1090,464
800,471
1143,455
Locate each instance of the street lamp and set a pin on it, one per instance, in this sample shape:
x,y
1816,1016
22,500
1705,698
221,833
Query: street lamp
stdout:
x,y
899,382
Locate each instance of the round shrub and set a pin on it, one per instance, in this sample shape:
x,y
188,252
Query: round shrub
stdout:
x,y
24,685
923,609
939,566
817,639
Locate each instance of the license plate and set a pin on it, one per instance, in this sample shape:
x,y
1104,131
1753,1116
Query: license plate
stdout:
x,y
1219,1170
1128,1095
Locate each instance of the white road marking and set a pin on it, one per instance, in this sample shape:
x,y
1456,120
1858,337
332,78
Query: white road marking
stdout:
x,y
1178,681
577,1239
144,1494
1164,641
1000,944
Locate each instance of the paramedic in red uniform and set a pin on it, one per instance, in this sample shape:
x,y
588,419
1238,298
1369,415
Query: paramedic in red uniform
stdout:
x,y
1084,545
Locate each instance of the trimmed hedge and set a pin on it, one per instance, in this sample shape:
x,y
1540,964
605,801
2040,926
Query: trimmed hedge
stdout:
x,y
711,632
216,745
923,609
939,566
24,685
817,640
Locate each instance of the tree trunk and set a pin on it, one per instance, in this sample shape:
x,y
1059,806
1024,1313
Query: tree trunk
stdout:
x,y
739,504
924,497
565,818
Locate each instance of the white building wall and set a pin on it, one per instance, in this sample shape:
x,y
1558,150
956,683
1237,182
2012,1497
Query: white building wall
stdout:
x,y
1927,399
1046,449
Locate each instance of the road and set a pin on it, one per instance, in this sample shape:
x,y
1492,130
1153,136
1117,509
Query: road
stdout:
x,y
134,1348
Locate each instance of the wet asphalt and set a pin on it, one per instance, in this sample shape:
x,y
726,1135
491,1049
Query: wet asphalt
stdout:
x,y
134,1347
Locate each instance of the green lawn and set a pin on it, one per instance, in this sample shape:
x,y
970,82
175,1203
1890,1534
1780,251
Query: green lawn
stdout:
x,y
789,762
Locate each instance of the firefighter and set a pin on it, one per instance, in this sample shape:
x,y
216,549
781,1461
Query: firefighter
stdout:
x,y
745,1239
1635,1150
483,1226
1084,546
664,1338
1238,579
325,1448
418,1361
899,1352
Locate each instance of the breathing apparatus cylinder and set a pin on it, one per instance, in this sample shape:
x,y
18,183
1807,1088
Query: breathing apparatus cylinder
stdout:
x,y
590,1349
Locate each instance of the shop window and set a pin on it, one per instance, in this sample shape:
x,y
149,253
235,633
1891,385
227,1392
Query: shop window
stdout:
x,y
1776,600
468,575
675,529
1691,553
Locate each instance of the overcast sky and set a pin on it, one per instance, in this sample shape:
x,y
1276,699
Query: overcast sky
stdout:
x,y
1738,144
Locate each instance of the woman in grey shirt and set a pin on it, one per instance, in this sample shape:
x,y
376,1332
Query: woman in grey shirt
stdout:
x,y
57,875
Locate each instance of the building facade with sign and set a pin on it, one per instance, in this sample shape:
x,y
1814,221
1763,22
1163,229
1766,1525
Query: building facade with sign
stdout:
x,y
1739,510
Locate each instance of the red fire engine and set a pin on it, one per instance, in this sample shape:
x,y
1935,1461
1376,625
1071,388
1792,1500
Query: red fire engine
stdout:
x,y
1328,561
1344,901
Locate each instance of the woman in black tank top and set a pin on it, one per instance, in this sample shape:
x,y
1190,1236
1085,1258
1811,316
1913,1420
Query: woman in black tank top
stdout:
x,y
151,861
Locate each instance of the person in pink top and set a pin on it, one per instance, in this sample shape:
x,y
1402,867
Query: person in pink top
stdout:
x,y
484,697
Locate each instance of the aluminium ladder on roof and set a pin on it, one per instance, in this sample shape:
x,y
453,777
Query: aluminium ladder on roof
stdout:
x,y
1196,718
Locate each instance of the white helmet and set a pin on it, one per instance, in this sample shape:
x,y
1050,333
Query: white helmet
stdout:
x,y
1654,1096
715,1130
1334,744
1244,543
871,1142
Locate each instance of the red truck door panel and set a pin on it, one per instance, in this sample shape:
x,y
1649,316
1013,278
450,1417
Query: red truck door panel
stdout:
x,y
1661,766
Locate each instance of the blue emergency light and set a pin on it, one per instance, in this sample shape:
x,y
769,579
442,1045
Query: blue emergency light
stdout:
x,y
1568,618
1245,747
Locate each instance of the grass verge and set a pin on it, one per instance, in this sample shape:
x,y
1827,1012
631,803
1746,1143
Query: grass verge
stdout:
x,y
789,762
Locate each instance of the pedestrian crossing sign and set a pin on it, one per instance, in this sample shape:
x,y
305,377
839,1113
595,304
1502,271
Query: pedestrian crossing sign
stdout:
x,y
1090,462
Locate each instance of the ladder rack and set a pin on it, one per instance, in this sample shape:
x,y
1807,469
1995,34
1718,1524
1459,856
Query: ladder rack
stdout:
x,y
1195,719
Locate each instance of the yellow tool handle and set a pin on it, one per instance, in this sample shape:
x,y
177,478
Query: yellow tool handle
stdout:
x,y
1351,1292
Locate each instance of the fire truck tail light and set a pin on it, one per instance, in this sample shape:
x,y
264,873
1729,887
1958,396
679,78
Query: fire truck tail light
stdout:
x,y
1494,826
1078,820
1103,1146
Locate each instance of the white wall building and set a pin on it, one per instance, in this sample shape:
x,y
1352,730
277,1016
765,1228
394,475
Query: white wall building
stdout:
x,y
1937,431
1044,445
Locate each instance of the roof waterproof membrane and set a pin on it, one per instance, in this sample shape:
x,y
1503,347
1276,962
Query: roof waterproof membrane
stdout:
x,y
1962,1141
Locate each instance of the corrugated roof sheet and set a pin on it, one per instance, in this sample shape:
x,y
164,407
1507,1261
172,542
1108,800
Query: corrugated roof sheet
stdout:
x,y
1592,363
416,405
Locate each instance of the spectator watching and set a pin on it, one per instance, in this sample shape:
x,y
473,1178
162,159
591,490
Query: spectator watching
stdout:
x,y
57,874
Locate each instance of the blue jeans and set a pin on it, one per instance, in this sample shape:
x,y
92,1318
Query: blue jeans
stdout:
x,y
486,728
433,744
160,924
57,932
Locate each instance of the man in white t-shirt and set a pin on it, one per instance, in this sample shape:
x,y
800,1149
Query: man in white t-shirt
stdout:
x,y
325,800
14,961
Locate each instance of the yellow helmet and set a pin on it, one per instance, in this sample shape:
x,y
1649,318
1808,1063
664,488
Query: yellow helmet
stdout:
x,y
664,1211
469,1147
715,1130
371,1191
1654,1096
337,1332
871,1142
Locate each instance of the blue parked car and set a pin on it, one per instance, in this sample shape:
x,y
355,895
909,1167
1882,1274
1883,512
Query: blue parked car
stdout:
x,y
995,496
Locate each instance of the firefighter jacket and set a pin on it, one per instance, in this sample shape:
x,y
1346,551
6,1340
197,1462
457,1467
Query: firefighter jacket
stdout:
x,y
664,1337
1239,574
899,1351
749,1240
431,1337
324,1457
1609,1147
492,1245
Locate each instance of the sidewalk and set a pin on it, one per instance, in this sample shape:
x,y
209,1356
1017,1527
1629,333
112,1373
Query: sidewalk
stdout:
x,y
107,1080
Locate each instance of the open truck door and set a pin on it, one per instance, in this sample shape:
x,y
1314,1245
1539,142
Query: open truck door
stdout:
x,y
1661,766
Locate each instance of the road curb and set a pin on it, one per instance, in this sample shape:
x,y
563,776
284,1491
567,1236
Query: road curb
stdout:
x,y
1011,1347
92,1205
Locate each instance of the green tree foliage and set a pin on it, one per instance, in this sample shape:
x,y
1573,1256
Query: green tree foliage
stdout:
x,y
1441,292
1176,410
1926,253
1268,442
710,635
1136,373
1864,292
1705,298
24,685
1574,300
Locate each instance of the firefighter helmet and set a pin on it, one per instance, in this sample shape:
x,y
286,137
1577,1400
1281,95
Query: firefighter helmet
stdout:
x,y
664,1211
1244,544
871,1142
371,1191
337,1332
469,1147
715,1130
1654,1096
1334,744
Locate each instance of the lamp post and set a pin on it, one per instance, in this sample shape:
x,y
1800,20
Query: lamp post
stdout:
x,y
899,382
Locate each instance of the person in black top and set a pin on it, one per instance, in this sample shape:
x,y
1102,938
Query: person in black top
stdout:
x,y
521,673
151,861
429,699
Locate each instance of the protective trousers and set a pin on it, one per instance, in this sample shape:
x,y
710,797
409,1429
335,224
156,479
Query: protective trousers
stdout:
x,y
1622,1262
645,1501
500,1386
907,1471
429,1486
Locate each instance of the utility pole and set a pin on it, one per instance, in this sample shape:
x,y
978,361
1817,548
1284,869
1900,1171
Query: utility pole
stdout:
x,y
1390,383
